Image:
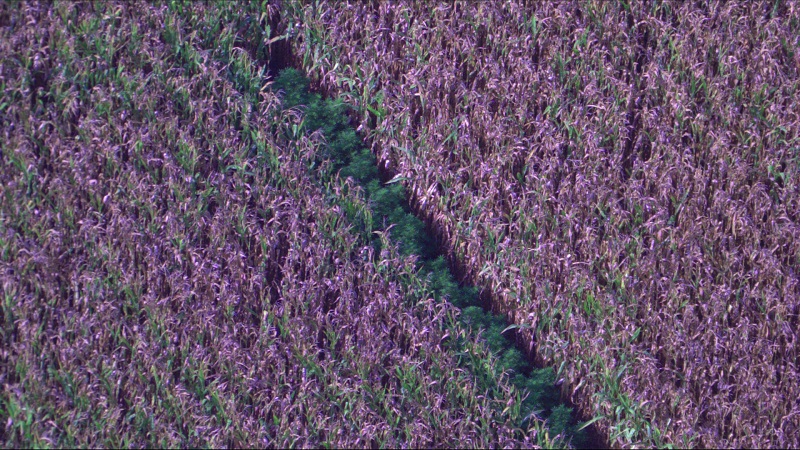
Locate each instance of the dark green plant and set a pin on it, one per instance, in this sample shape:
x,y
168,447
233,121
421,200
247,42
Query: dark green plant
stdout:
x,y
362,167
328,116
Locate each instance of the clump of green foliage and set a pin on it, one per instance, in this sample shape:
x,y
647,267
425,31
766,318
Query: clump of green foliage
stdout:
x,y
174,274
346,153
328,116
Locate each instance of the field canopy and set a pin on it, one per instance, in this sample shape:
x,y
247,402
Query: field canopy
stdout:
x,y
178,270
622,176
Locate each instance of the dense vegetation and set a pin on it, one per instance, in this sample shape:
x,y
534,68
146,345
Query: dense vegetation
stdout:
x,y
390,212
197,249
180,264
621,177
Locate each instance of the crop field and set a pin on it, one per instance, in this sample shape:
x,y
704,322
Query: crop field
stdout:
x,y
621,178
475,224
182,265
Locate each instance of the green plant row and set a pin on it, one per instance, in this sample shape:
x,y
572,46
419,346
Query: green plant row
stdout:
x,y
391,213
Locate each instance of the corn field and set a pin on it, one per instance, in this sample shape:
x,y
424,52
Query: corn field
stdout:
x,y
621,176
194,254
176,270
